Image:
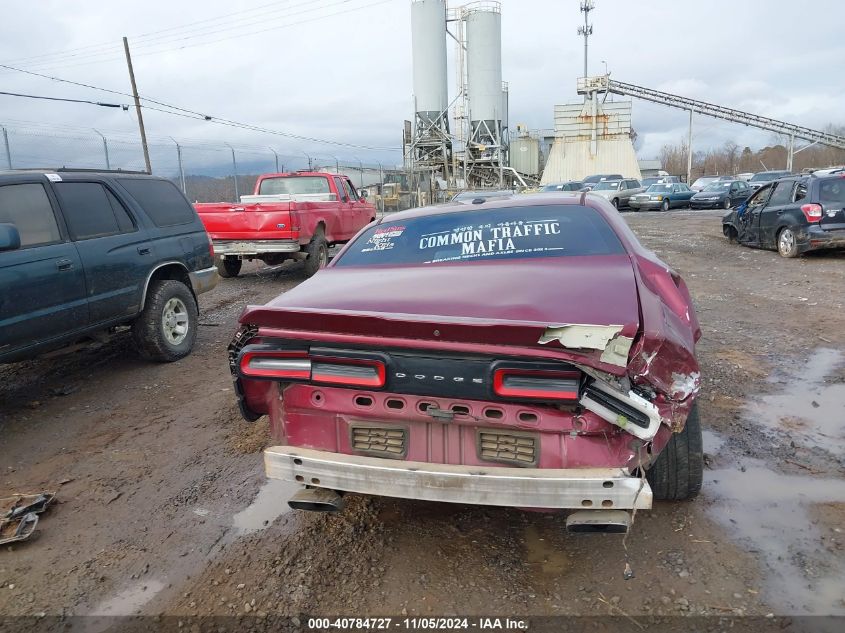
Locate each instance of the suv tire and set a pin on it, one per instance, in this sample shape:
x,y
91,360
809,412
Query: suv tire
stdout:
x,y
787,243
229,266
679,469
318,254
166,329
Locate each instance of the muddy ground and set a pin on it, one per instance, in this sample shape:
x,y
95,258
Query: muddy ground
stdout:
x,y
163,507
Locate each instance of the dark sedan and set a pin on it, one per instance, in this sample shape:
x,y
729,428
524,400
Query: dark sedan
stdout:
x,y
722,194
572,185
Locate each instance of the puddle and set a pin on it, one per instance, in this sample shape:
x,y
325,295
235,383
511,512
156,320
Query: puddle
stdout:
x,y
129,601
270,503
543,554
808,409
770,514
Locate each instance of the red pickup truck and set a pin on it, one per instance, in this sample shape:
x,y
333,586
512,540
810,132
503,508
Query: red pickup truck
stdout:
x,y
293,215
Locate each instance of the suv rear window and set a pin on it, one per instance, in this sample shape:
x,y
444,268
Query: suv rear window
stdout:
x,y
832,190
293,185
161,200
512,233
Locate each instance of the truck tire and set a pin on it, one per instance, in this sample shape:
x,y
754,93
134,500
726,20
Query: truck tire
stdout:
x,y
318,254
229,266
679,469
166,329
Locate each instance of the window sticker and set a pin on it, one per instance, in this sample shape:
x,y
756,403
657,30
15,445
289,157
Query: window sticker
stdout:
x,y
53,177
515,237
383,239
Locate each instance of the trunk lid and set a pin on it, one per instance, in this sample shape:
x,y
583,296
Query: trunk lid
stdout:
x,y
501,303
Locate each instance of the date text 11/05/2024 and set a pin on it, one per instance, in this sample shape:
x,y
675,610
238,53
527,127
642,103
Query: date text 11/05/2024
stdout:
x,y
417,624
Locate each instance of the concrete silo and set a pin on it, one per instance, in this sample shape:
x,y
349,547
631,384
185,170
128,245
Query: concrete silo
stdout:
x,y
431,146
486,94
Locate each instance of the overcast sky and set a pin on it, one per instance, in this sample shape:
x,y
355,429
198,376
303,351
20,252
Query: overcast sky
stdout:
x,y
341,69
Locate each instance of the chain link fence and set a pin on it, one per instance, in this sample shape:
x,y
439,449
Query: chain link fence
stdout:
x,y
205,171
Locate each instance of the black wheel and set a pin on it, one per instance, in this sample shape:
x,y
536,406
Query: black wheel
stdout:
x,y
727,204
318,254
228,266
167,327
787,243
615,203
679,469
664,206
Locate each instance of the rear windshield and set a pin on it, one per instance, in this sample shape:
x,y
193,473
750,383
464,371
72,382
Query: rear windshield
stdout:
x,y
293,185
513,233
832,191
766,176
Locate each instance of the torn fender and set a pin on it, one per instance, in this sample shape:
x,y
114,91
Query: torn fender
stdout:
x,y
609,339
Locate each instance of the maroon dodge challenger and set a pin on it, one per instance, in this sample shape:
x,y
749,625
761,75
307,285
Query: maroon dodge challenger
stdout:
x,y
524,352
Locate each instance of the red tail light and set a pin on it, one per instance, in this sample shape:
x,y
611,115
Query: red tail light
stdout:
x,y
526,383
294,217
813,212
276,364
298,365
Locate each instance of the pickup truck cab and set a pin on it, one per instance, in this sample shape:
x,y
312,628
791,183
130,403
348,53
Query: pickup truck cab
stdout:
x,y
83,253
295,215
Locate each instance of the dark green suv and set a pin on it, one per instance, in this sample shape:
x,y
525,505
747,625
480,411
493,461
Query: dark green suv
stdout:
x,y
85,252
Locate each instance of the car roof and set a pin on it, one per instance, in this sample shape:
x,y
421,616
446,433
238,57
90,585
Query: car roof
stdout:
x,y
74,174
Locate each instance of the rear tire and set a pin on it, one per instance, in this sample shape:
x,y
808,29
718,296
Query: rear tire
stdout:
x,y
166,329
677,473
318,254
229,266
787,243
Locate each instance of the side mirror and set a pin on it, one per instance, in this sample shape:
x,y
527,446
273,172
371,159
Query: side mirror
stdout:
x,y
364,194
10,237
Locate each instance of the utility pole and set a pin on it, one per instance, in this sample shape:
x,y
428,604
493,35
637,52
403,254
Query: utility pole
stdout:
x,y
689,150
138,107
587,30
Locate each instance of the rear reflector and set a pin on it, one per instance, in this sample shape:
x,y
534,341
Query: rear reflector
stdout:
x,y
296,365
536,384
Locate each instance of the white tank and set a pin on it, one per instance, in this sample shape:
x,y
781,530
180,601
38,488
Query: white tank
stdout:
x,y
428,46
484,63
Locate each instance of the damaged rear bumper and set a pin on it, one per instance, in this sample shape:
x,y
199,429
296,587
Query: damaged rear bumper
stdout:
x,y
580,488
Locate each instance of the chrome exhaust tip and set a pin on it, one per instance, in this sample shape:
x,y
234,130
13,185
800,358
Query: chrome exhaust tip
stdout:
x,y
316,500
598,522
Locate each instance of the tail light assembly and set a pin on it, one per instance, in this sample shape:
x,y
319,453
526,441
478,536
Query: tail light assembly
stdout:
x,y
630,412
813,212
536,384
302,366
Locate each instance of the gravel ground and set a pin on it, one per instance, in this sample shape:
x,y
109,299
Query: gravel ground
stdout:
x,y
163,507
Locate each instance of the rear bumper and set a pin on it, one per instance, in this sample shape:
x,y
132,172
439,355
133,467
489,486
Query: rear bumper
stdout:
x,y
818,238
598,488
254,247
204,280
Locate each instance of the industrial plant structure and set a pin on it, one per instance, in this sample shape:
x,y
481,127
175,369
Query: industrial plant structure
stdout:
x,y
474,150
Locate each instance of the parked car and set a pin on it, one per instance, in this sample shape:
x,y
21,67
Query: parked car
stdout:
x,y
726,177
761,178
296,215
572,185
722,194
590,181
82,253
430,361
618,192
663,197
701,183
746,176
658,180
792,215
481,194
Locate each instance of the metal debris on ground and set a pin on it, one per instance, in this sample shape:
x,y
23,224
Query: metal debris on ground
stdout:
x,y
19,515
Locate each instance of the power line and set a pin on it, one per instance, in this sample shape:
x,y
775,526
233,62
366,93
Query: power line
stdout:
x,y
96,103
172,43
193,114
